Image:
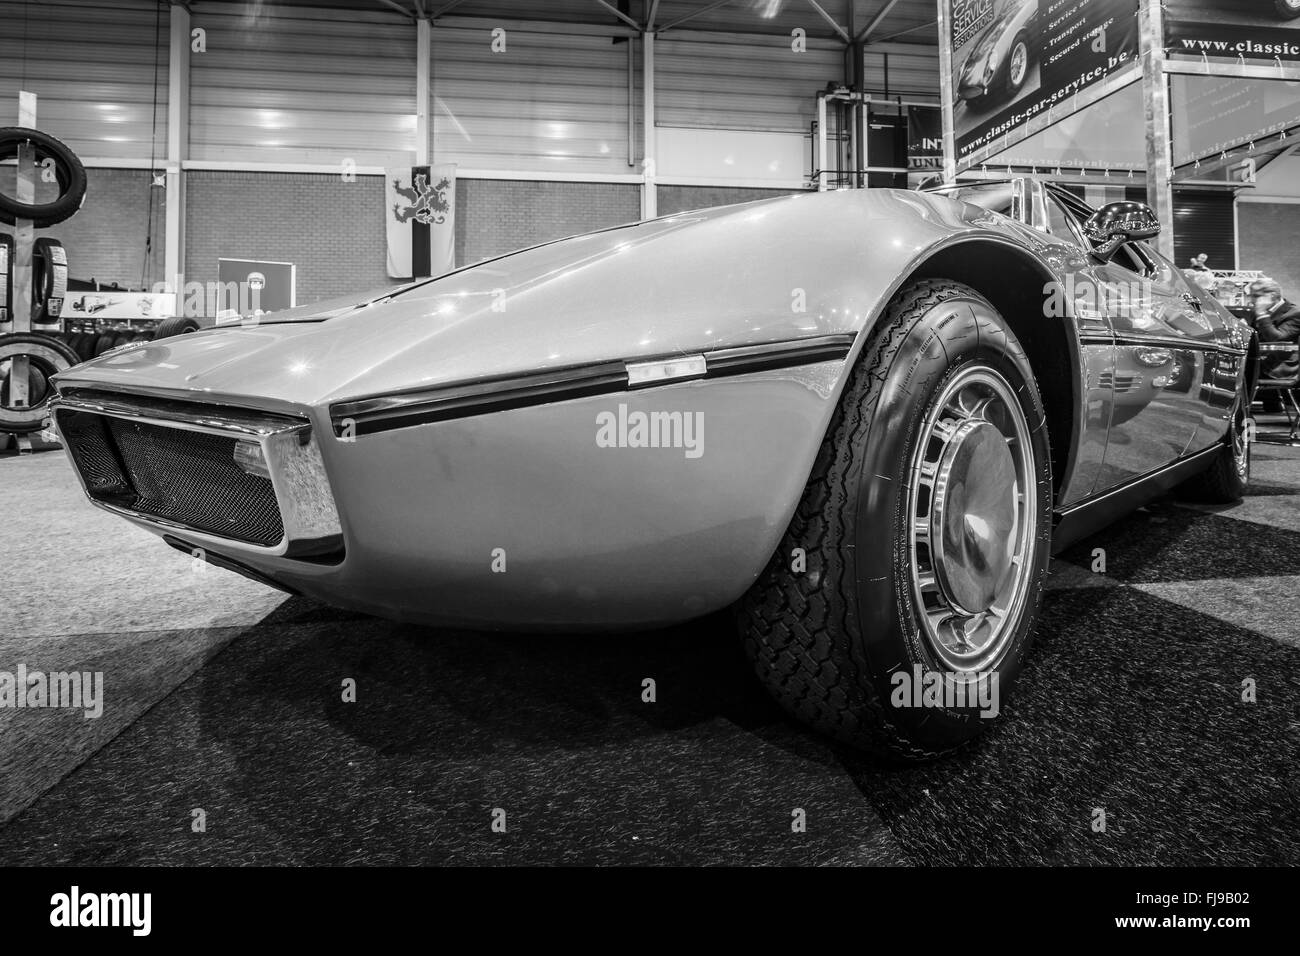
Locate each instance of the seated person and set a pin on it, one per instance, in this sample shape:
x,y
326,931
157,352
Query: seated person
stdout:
x,y
1276,320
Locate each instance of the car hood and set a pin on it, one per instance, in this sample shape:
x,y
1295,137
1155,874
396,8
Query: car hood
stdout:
x,y
798,266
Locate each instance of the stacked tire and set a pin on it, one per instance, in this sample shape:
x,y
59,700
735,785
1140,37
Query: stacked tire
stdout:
x,y
46,357
68,172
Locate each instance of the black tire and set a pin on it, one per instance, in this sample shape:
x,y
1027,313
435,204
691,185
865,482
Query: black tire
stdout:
x,y
103,344
1227,480
38,384
68,170
45,354
1287,9
122,338
828,642
176,325
142,337
84,345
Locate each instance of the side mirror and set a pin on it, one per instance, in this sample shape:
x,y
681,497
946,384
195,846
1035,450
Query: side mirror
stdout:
x,y
1118,223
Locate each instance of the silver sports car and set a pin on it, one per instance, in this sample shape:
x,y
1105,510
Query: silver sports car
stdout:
x,y
863,419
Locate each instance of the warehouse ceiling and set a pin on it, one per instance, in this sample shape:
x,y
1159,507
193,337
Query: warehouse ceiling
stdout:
x,y
869,21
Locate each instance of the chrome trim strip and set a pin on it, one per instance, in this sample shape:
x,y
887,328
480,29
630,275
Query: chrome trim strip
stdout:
x,y
191,416
1160,342
424,406
662,371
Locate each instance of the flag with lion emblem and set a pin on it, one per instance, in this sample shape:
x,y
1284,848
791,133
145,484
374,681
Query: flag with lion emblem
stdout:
x,y
420,203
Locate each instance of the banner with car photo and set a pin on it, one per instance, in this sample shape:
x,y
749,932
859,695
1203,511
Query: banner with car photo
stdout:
x,y
1255,31
1016,60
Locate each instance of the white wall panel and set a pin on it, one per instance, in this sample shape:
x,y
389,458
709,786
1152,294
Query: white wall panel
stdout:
x,y
549,102
91,66
721,156
299,85
758,84
909,71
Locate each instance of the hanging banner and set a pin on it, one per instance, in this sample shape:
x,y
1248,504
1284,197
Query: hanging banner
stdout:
x,y
1265,31
924,138
1214,116
420,210
1015,61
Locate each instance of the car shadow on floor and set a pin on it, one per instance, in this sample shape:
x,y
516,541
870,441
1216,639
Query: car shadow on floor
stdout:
x,y
1129,704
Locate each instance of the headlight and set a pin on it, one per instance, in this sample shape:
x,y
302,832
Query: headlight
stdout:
x,y
991,67
251,461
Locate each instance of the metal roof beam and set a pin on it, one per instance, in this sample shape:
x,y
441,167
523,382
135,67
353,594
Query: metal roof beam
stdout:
x,y
692,16
650,17
903,33
876,20
541,26
620,14
446,8
399,8
831,20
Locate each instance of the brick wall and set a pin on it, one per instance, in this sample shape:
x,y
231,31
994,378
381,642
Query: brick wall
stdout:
x,y
671,199
332,230
106,238
495,216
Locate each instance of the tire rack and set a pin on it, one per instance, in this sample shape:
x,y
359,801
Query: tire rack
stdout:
x,y
24,240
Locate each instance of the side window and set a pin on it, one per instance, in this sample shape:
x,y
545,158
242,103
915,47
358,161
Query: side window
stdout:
x,y
1063,225
1134,258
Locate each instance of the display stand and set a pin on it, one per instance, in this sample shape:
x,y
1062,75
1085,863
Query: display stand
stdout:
x,y
24,240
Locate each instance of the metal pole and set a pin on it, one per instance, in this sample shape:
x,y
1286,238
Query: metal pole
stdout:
x,y
649,199
821,143
423,56
1155,101
861,121
631,103
178,141
945,95
24,238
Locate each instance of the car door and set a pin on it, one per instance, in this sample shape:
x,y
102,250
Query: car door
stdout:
x,y
1160,335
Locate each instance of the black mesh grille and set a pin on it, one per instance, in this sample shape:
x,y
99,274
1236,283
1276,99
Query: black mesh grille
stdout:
x,y
185,477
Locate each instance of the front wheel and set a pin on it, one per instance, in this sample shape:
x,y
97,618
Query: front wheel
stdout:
x,y
1227,480
902,600
1017,66
1288,9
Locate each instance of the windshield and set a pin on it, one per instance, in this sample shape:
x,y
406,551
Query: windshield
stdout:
x,y
995,197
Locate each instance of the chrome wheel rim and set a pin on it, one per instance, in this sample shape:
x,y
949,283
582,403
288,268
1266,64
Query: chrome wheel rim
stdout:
x,y
1292,5
1019,63
973,519
1241,440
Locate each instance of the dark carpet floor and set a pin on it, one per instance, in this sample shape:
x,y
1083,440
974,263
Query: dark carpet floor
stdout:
x,y
1131,703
